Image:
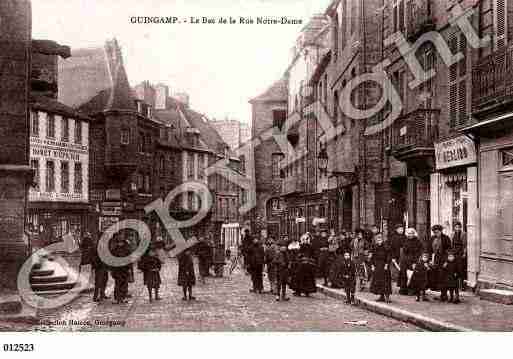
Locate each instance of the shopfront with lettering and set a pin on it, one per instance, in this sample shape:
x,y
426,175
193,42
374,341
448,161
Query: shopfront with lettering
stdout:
x,y
454,192
59,156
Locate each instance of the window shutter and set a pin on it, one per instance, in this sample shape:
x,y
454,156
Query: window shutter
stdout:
x,y
453,46
463,50
462,102
453,98
500,23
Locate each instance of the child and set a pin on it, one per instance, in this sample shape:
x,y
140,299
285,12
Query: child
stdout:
x,y
281,264
348,271
271,251
186,277
150,265
420,278
451,278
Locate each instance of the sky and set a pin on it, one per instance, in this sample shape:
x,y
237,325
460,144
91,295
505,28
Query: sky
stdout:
x,y
220,66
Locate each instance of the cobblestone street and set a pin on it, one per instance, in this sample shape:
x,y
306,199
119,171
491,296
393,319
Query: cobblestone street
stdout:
x,y
223,304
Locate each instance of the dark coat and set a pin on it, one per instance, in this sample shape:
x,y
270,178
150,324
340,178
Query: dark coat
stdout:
x,y
450,274
420,278
396,243
305,275
440,251
186,276
293,258
281,265
256,257
343,273
411,252
459,244
381,277
246,243
86,250
123,272
150,266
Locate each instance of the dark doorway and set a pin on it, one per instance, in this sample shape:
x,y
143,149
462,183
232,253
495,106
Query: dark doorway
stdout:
x,y
347,210
398,201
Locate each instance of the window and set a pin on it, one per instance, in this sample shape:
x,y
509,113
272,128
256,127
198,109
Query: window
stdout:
x,y
78,177
78,131
427,87
507,157
279,117
50,127
336,31
335,106
354,14
139,179
201,166
147,184
162,165
457,82
34,123
190,165
65,130
125,136
34,164
276,158
141,142
50,176
65,177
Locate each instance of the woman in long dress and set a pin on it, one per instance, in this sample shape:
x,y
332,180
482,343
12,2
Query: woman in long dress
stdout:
x,y
381,259
410,254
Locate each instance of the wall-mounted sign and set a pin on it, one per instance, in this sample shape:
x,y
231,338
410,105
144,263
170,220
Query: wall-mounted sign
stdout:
x,y
113,194
457,151
106,222
111,209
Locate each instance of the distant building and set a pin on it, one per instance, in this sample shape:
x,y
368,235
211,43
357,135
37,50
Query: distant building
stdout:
x,y
233,132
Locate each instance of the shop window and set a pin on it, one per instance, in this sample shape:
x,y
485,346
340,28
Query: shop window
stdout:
x,y
78,178
34,164
34,123
65,130
190,166
78,132
65,177
50,176
50,127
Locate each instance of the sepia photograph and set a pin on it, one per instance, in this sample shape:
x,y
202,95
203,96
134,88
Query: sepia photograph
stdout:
x,y
288,166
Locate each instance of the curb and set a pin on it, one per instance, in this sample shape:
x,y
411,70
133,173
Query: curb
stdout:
x,y
396,313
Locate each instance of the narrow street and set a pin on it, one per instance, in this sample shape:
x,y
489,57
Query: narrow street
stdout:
x,y
223,304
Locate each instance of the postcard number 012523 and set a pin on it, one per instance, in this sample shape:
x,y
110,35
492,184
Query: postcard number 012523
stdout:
x,y
18,347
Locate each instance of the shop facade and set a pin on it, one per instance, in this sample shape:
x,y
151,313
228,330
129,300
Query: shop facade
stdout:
x,y
454,194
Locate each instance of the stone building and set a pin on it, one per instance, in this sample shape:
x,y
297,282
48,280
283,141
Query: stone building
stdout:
x,y
123,134
491,253
233,132
15,172
269,110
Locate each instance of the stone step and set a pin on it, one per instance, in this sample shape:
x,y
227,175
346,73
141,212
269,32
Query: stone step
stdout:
x,y
40,287
48,279
49,293
502,296
10,305
41,272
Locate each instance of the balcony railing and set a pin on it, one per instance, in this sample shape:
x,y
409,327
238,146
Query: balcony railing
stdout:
x,y
414,134
293,185
492,79
420,18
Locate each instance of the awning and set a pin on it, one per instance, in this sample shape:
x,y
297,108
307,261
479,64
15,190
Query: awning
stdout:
x,y
487,123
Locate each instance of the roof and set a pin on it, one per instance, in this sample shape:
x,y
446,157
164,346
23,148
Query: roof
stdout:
x,y
95,80
278,91
47,104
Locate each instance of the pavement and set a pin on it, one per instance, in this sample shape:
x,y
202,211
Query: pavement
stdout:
x,y
223,304
472,314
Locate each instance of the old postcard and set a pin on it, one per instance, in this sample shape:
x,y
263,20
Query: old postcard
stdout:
x,y
234,166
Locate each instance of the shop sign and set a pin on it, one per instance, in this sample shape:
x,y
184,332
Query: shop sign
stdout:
x,y
113,194
106,222
111,210
458,151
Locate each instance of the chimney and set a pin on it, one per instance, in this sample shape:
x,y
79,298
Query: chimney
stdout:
x,y
161,95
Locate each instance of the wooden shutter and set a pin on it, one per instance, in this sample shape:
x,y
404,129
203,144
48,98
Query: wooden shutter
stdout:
x,y
462,102
505,212
500,23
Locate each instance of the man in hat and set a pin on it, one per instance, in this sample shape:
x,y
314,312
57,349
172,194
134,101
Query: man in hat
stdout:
x,y
121,274
281,263
438,247
324,256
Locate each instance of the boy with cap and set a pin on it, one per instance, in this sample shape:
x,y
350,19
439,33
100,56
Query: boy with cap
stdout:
x,y
281,264
451,278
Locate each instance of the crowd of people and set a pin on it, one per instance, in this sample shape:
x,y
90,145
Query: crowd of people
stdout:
x,y
150,265
354,261
360,260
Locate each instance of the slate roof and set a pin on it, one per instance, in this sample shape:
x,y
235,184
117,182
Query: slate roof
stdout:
x,y
278,91
95,80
